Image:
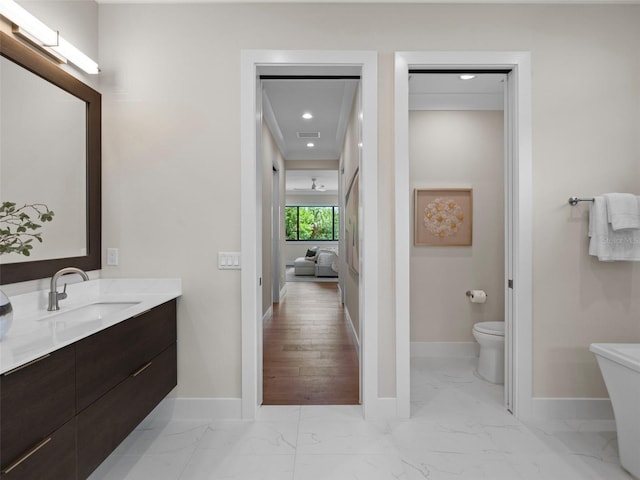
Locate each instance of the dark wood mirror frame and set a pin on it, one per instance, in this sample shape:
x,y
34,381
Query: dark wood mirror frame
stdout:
x,y
40,65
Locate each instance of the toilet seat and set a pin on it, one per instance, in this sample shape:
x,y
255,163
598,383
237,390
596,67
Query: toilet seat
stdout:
x,y
490,328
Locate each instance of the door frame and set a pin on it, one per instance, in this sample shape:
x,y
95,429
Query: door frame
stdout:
x,y
518,216
251,246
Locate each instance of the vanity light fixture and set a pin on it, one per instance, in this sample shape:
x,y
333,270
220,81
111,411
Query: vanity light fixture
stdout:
x,y
467,76
34,27
311,145
307,116
76,57
36,32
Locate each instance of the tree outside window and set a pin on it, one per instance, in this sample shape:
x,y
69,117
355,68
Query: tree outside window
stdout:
x,y
311,223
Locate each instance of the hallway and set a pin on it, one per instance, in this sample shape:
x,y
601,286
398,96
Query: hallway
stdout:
x,y
309,357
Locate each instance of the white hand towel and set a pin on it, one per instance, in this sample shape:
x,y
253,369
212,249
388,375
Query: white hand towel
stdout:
x,y
606,244
623,210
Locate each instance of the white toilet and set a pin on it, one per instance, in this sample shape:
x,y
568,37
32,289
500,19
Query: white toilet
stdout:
x,y
490,336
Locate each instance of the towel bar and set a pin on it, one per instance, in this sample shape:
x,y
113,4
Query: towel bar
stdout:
x,y
573,201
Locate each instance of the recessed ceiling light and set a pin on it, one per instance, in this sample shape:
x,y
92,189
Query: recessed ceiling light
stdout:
x,y
311,144
307,116
467,77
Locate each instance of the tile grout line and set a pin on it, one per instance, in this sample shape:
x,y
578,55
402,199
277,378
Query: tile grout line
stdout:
x,y
295,455
195,450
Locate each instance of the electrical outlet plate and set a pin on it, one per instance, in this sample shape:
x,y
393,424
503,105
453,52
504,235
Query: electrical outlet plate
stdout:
x,y
112,256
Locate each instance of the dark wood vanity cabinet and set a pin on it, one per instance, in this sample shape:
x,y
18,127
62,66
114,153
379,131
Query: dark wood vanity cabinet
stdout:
x,y
36,400
104,424
135,364
63,414
110,356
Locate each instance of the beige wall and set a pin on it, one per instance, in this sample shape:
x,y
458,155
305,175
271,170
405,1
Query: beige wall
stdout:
x,y
171,197
458,149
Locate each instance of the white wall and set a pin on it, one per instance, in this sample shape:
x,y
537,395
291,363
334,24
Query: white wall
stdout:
x,y
311,199
458,149
172,172
270,156
172,123
350,161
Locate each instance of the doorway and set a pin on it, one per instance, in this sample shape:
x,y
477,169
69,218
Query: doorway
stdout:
x,y
518,248
251,275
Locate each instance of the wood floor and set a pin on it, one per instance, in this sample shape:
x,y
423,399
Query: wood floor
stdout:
x,y
309,357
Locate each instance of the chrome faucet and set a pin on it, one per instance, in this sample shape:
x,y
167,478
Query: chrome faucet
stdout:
x,y
54,296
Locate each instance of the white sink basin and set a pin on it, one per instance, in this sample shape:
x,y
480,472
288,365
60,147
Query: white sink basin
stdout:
x,y
91,312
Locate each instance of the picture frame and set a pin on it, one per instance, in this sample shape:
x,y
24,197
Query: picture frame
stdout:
x,y
443,217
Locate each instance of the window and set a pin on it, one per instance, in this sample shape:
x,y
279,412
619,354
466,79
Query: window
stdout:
x,y
312,223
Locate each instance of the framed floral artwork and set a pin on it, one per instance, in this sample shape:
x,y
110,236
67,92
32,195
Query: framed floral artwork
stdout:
x,y
443,216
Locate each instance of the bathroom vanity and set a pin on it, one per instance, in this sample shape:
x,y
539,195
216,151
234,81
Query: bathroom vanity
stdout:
x,y
99,366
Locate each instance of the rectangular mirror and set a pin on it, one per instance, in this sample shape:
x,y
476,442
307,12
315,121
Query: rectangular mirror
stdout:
x,y
49,154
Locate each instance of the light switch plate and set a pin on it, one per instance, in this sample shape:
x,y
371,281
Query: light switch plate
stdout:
x,y
229,261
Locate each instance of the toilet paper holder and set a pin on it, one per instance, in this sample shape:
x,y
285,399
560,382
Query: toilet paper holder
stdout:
x,y
468,293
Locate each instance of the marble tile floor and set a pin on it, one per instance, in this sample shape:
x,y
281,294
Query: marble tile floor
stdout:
x,y
458,430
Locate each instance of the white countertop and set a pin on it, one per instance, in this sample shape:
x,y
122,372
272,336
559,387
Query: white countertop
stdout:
x,y
36,332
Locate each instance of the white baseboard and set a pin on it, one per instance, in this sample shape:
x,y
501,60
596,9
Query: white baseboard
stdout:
x,y
352,330
340,294
205,409
209,409
283,292
572,409
445,349
267,315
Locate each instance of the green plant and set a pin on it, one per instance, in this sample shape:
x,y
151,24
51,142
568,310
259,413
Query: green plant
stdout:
x,y
18,230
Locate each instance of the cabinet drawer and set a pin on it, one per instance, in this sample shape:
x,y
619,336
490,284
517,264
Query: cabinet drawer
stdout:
x,y
51,458
35,400
104,424
108,357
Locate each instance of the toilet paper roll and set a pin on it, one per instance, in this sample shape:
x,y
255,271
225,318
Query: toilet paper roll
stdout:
x,y
477,296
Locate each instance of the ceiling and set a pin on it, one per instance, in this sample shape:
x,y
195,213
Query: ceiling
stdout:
x,y
329,101
298,90
447,91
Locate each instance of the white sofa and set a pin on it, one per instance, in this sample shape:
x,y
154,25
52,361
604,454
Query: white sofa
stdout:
x,y
323,264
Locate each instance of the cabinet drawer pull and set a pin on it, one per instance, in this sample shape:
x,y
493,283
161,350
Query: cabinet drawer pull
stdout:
x,y
28,364
26,455
141,369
